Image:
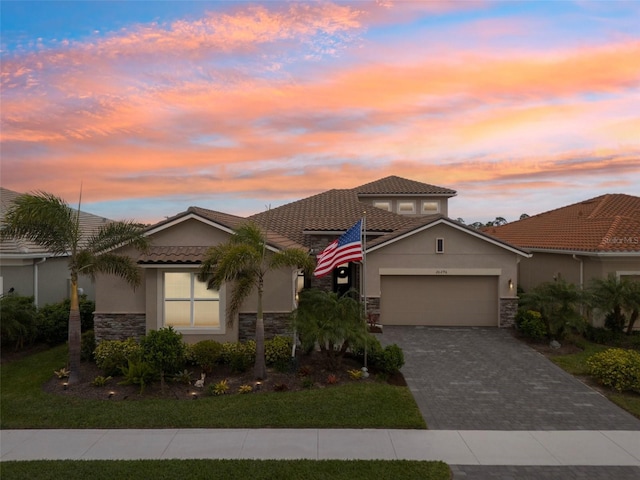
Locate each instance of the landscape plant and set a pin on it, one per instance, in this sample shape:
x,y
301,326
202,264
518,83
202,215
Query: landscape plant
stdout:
x,y
18,320
164,350
206,354
48,221
53,319
617,368
112,355
243,263
530,324
333,322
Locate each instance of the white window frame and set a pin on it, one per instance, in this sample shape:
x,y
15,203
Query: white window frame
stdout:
x,y
439,245
220,329
430,211
403,203
382,204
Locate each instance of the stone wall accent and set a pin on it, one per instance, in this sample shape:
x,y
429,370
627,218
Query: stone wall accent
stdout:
x,y
508,311
373,309
274,324
118,326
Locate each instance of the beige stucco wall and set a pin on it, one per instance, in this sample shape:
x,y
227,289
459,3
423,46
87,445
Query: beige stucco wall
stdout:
x,y
115,296
463,254
544,267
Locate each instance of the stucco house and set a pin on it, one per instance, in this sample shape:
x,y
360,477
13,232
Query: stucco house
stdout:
x,y
579,242
30,270
421,267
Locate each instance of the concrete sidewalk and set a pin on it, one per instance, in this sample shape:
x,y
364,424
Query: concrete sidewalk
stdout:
x,y
455,447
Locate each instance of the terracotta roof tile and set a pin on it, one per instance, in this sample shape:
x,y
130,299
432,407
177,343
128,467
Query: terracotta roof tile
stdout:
x,y
608,223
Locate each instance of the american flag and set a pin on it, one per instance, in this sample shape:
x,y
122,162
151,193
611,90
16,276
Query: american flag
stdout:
x,y
347,248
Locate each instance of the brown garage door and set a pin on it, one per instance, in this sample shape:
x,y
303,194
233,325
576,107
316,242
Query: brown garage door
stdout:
x,y
439,300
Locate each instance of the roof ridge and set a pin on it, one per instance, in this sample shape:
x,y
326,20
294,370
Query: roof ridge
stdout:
x,y
600,206
606,239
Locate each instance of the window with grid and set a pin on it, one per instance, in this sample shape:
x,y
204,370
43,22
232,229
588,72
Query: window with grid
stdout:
x,y
188,303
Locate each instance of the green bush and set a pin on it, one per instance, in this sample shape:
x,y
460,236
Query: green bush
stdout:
x,y
206,354
531,324
277,350
616,368
138,372
374,351
164,350
53,325
603,336
87,346
113,355
392,359
18,320
238,355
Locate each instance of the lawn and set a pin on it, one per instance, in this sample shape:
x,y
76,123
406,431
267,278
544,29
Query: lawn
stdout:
x,y
576,364
205,469
358,405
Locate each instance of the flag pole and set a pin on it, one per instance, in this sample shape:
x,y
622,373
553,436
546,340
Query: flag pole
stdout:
x,y
364,286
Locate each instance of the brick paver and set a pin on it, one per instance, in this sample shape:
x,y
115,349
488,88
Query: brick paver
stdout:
x,y
484,379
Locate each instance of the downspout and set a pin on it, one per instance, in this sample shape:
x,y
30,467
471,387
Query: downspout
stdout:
x,y
35,279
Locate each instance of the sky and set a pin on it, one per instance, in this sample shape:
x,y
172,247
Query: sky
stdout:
x,y
149,107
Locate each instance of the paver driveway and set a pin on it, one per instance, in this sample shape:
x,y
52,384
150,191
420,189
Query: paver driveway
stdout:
x,y
484,379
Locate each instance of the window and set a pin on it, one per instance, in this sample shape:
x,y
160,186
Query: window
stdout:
x,y
406,207
439,245
384,205
429,208
188,303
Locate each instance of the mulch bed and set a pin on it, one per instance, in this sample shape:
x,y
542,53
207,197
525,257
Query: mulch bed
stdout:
x,y
309,371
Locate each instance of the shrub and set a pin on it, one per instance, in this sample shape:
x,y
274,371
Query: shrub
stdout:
x,y
87,346
531,324
355,374
53,327
62,373
138,372
245,389
18,320
207,354
217,389
392,359
603,336
277,350
183,377
239,356
112,355
374,351
616,368
164,349
332,379
307,382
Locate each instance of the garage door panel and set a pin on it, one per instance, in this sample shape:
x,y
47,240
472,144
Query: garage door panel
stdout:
x,y
439,300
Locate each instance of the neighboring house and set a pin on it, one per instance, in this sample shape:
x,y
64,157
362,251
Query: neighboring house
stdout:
x,y
422,268
579,242
30,270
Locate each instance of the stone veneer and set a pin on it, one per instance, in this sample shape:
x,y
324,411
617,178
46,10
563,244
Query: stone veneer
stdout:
x,y
274,324
118,326
508,310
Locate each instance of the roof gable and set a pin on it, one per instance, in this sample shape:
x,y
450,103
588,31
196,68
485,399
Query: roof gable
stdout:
x,y
422,224
606,224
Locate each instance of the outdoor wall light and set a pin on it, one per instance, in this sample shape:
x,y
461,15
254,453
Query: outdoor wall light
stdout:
x,y
510,284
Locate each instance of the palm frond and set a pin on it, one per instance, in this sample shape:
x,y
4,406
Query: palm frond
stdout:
x,y
242,287
116,234
112,264
292,257
44,219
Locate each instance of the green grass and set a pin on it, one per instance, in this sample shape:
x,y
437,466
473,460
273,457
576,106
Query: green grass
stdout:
x,y
205,469
576,364
358,405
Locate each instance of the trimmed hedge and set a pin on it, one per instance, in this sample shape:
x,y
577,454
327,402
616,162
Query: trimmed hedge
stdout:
x,y
616,368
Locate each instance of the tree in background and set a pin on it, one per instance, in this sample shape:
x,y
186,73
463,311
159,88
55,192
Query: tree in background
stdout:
x,y
48,221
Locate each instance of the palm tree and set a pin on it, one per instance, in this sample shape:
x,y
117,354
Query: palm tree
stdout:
x,y
632,303
608,295
48,221
243,262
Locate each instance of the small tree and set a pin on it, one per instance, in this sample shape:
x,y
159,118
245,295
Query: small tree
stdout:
x,y
18,320
607,295
331,321
164,350
243,262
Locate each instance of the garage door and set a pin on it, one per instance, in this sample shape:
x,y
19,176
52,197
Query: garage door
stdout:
x,y
439,300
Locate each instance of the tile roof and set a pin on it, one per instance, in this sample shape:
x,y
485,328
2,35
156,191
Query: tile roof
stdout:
x,y
173,255
331,211
605,224
89,224
401,186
